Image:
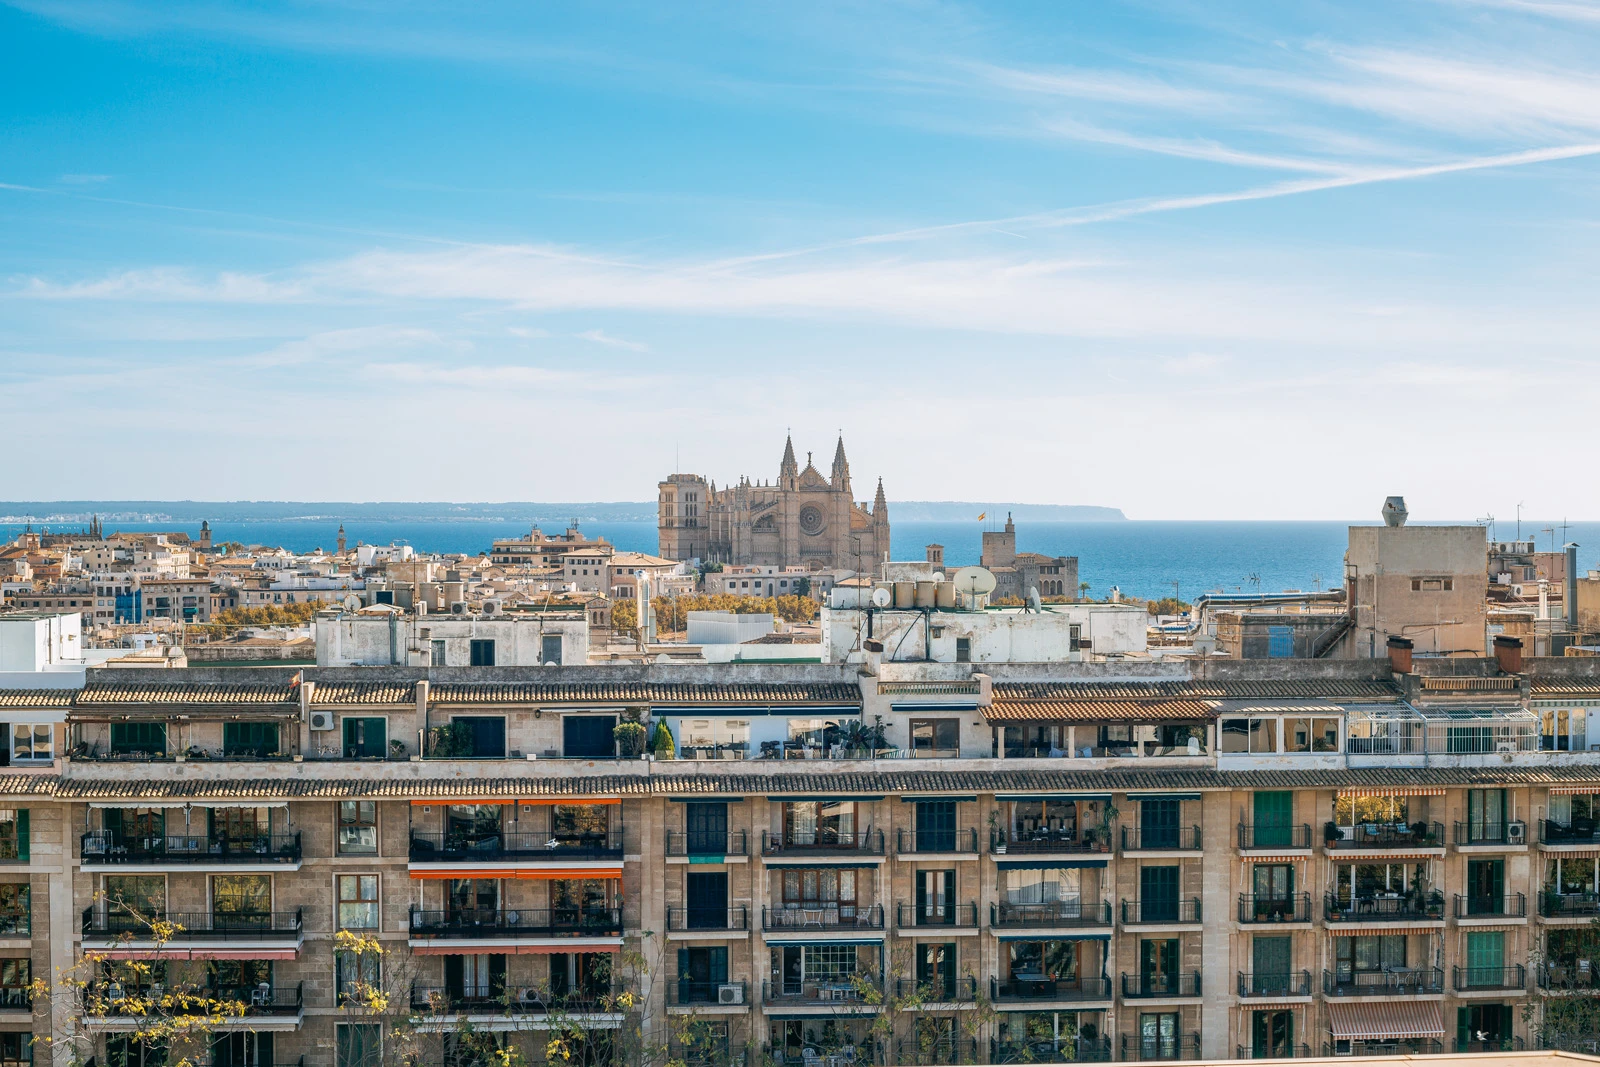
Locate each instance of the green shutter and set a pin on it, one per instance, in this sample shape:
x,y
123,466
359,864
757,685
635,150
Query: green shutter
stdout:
x,y
22,834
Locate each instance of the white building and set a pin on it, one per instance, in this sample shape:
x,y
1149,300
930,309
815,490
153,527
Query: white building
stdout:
x,y
386,636
1060,633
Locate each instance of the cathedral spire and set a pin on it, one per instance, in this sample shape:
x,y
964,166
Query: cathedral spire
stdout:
x,y
840,475
880,505
788,470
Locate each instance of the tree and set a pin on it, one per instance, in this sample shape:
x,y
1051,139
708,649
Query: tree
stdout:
x,y
1570,1021
625,615
802,587
1083,590
1167,605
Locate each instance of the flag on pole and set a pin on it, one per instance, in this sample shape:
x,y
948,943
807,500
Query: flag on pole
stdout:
x,y
981,515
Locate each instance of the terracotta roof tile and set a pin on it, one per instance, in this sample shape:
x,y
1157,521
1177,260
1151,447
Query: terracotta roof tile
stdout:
x,y
36,698
362,693
1098,710
1334,689
124,693
659,693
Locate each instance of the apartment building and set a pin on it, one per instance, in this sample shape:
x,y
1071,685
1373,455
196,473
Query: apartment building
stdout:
x,y
1036,862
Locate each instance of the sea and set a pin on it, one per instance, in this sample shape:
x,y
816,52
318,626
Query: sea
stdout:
x,y
1140,558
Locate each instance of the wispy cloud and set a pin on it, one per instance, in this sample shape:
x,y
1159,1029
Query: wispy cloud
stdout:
x,y
84,179
600,337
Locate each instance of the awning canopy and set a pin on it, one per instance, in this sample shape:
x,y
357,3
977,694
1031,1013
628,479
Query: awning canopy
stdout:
x,y
1055,937
1569,790
1024,797
1163,796
172,952
579,873
1338,929
813,942
527,802
706,799
1386,1020
1047,865
515,950
137,802
1392,791
919,798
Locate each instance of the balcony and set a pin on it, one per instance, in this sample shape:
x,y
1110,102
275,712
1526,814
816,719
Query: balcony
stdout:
x,y
1566,976
101,924
915,1053
686,993
708,920
1052,842
507,924
700,843
821,843
540,846
937,990
847,989
1569,905
1162,839
1258,908
946,916
1290,984
1512,834
822,918
1397,981
1042,987
102,848
1151,986
115,1006
1081,1050
1514,977
1410,1046
1185,1047
959,842
1579,833
1184,912
1293,1052
1375,836
1254,838
1384,909
1491,1044
1474,906
1057,914
432,1000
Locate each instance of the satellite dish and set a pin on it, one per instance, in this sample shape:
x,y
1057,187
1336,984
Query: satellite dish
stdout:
x,y
881,597
352,602
974,581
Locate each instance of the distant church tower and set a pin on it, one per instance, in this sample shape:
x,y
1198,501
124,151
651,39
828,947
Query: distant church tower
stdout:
x,y
341,539
205,535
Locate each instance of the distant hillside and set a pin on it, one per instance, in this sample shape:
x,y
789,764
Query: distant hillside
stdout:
x,y
957,510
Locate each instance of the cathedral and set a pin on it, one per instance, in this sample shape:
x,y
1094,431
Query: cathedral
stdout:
x,y
802,519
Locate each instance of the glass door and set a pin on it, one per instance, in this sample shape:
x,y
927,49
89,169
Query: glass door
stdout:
x,y
936,892
1158,966
936,826
1158,894
1272,1034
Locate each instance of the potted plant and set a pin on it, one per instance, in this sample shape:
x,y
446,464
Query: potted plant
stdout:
x,y
1331,832
1108,815
997,843
630,739
1419,830
397,748
661,741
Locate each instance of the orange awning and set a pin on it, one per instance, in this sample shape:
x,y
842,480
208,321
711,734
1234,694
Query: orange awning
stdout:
x,y
1386,1020
1393,791
1348,929
1569,790
533,873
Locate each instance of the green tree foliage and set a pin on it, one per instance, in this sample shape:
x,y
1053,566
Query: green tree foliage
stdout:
x,y
1167,605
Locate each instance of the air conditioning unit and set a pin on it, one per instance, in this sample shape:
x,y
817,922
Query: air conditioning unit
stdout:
x,y
458,608
1516,833
322,720
730,993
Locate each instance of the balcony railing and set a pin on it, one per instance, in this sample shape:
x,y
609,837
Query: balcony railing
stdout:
x,y
1056,913
1147,912
1569,905
1025,987
1034,842
105,847
1259,908
1514,832
841,989
937,990
963,842
1511,1043
465,924
1474,906
821,842
116,999
1514,976
102,922
932,917
1407,1046
519,845
700,843
1426,908
686,992
1553,833
1254,837
1181,1047
1419,834
1275,984
1144,986
1046,1050
1397,981
262,999
728,917
1162,839
1563,975
822,917
436,1000
945,1050
1295,1052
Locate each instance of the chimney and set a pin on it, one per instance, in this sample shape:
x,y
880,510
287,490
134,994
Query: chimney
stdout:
x,y
1400,654
1508,654
1570,606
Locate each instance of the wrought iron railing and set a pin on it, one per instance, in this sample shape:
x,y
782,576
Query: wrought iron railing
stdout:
x,y
1274,983
1160,910
472,923
1055,913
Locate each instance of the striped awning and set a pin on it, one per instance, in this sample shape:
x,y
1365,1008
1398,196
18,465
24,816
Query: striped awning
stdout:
x,y
1392,791
1252,858
1569,790
1378,852
525,801
1386,1020
1578,854
1348,929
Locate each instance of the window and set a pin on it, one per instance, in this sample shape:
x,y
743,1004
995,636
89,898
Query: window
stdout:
x,y
241,895
143,895
139,738
1367,954
482,652
936,737
249,738
365,738
358,901
1280,642
1361,811
32,741
356,973
1075,640
826,887
14,834
358,828
15,909
825,822
16,1049
1311,735
1042,886
485,735
1249,735
550,649
358,1045
436,652
15,977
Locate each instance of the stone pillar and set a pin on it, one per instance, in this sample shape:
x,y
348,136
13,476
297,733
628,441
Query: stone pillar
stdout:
x,y
1216,878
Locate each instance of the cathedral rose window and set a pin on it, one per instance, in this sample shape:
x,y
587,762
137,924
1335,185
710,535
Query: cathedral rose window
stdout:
x,y
811,519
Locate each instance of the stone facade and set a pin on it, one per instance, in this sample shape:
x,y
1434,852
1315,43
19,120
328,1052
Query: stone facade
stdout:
x,y
802,519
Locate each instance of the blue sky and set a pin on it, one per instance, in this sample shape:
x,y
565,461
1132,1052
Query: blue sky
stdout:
x,y
1194,260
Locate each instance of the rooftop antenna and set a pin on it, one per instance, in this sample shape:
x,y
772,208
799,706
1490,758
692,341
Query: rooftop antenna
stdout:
x,y
1255,580
1488,520
1175,595
1519,520
1551,530
1316,582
